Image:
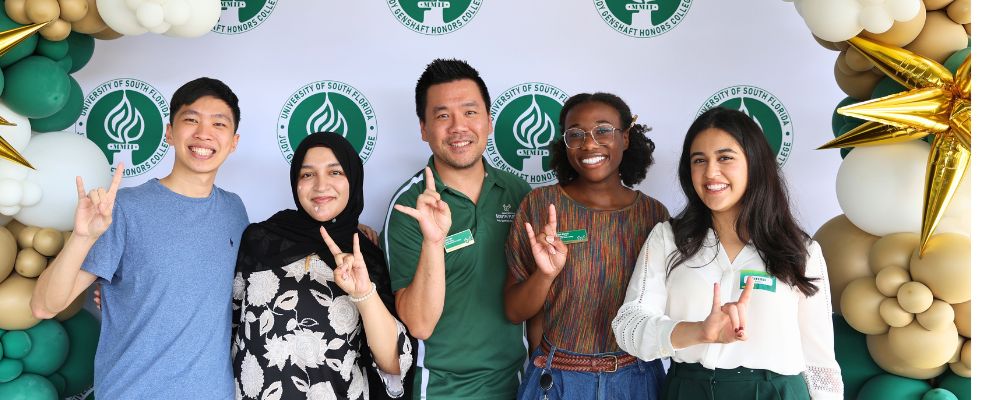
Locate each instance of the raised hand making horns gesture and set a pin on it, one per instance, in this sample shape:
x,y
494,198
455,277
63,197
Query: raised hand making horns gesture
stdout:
x,y
94,210
350,273
432,212
727,323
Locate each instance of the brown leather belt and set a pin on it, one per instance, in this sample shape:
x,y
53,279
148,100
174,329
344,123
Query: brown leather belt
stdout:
x,y
581,363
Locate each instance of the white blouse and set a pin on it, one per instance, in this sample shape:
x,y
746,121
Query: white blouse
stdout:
x,y
779,316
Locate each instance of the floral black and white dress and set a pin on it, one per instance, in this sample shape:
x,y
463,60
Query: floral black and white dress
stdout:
x,y
298,336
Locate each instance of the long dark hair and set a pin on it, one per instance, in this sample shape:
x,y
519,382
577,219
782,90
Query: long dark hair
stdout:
x,y
765,219
636,159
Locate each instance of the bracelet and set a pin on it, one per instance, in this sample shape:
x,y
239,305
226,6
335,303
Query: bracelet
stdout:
x,y
362,298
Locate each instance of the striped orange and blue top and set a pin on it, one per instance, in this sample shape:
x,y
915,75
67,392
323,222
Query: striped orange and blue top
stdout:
x,y
586,295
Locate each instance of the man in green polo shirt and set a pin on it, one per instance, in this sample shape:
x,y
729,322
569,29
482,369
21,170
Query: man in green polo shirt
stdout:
x,y
445,246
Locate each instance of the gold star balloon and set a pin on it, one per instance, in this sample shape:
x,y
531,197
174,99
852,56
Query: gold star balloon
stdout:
x,y
9,39
937,102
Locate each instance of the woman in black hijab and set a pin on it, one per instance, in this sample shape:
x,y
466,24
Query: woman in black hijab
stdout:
x,y
313,310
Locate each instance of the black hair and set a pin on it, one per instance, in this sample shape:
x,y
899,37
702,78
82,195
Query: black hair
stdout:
x,y
192,91
765,219
635,160
444,71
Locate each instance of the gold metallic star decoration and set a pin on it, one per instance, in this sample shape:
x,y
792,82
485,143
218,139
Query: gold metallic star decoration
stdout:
x,y
9,39
937,103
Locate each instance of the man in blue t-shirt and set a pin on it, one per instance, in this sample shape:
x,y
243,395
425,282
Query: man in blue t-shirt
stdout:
x,y
164,252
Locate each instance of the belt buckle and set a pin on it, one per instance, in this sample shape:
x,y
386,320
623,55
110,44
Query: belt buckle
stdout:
x,y
613,357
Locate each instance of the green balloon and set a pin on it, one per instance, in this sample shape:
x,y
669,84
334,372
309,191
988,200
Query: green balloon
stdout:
x,y
28,387
957,58
939,394
22,50
52,49
1,91
893,387
83,330
38,87
851,349
16,344
65,117
51,344
81,48
887,86
59,383
65,63
10,369
839,120
960,386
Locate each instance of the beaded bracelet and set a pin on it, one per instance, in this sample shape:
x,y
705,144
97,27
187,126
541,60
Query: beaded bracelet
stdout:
x,y
362,298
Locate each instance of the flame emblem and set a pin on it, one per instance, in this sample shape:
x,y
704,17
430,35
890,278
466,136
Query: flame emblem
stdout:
x,y
121,123
534,129
327,119
745,110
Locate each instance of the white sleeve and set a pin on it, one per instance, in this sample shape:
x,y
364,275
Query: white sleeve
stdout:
x,y
822,372
641,326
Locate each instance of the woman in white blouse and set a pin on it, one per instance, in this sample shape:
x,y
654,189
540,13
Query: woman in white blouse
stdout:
x,y
686,299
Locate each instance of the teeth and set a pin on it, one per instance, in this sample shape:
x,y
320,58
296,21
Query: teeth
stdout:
x,y
461,144
593,160
202,151
717,186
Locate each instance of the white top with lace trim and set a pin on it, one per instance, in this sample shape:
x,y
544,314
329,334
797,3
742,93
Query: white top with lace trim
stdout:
x,y
779,317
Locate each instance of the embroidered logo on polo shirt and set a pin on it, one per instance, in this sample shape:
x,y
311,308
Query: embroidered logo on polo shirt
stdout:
x,y
506,216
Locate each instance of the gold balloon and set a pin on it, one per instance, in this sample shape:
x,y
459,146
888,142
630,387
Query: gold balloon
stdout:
x,y
26,237
29,263
914,297
930,107
878,347
937,316
946,267
889,280
893,251
963,318
922,348
859,304
8,252
48,242
845,249
893,314
15,307
902,32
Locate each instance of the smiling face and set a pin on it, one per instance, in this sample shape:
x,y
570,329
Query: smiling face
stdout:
x,y
322,188
456,123
592,161
718,170
203,135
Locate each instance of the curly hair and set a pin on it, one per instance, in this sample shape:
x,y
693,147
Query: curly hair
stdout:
x,y
635,160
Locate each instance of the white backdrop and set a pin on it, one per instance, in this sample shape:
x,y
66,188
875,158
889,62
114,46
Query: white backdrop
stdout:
x,y
665,79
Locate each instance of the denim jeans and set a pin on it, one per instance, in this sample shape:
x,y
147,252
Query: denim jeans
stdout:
x,y
641,380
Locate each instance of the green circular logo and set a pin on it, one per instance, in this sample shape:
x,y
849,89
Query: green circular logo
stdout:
x,y
327,106
765,109
525,119
239,16
434,17
127,119
642,18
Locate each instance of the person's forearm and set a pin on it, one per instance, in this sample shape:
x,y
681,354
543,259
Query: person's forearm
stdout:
x,y
525,299
421,303
686,334
54,288
381,333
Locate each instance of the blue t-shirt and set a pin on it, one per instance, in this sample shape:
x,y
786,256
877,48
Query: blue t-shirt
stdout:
x,y
166,269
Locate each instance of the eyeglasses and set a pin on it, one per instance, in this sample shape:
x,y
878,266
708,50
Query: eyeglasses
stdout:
x,y
602,135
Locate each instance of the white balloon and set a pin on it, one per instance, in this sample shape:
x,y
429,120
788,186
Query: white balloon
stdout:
x,y
204,15
18,135
875,19
59,158
17,172
134,4
10,193
149,15
880,188
831,20
31,193
161,28
117,15
176,12
957,217
903,10
11,210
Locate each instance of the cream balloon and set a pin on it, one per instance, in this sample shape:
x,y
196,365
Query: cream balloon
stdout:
x,y
961,369
73,10
26,236
946,267
56,30
893,251
880,188
937,316
859,303
15,11
831,20
39,11
8,252
48,242
15,307
914,297
940,38
902,32
889,280
882,354
922,348
92,22
963,318
893,314
856,85
29,263
937,4
845,250
117,15
875,18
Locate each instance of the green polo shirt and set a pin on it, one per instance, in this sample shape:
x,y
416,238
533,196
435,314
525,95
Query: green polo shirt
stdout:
x,y
474,352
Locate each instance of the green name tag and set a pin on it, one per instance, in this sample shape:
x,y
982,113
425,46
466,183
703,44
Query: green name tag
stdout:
x,y
760,278
458,241
570,237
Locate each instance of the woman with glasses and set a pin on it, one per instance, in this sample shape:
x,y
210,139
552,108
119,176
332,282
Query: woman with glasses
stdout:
x,y
571,250
733,290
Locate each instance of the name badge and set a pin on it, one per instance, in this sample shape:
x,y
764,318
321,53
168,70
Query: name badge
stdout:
x,y
570,237
459,240
761,280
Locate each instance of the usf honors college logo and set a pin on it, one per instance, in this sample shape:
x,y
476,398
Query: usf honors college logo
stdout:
x,y
239,16
525,121
327,106
642,18
434,17
764,108
126,118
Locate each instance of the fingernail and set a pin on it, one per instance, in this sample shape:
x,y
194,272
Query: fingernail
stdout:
x,y
550,239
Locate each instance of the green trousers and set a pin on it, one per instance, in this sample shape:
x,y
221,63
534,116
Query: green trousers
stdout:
x,y
686,381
